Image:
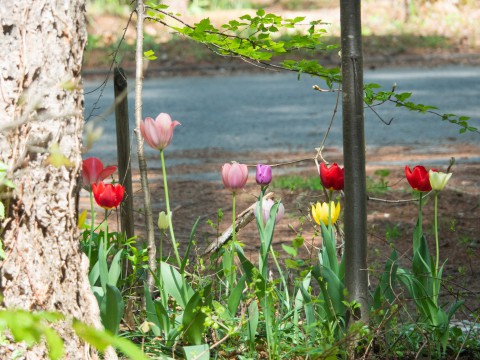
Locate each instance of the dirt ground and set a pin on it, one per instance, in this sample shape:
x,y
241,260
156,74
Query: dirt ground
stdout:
x,y
391,217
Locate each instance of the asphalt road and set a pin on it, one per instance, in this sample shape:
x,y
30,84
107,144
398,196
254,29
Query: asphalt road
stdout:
x,y
268,112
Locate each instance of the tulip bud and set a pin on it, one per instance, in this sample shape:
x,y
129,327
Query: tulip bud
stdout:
x,y
263,175
162,221
267,207
332,177
438,180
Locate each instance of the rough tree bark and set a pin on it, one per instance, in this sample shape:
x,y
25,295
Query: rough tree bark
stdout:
x,y
41,104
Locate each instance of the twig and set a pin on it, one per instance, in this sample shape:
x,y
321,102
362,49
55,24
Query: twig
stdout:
x,y
391,201
142,164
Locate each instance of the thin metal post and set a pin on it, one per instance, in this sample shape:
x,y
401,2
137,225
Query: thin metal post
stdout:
x,y
356,276
123,150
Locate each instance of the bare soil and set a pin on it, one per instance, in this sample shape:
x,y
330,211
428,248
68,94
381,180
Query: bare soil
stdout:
x,y
392,213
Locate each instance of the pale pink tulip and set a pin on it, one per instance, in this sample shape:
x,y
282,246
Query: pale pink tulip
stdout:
x,y
234,176
159,132
267,207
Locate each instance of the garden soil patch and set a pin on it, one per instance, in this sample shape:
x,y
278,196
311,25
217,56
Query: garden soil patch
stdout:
x,y
392,213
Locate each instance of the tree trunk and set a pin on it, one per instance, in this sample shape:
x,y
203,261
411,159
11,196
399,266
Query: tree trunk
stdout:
x,y
41,104
356,276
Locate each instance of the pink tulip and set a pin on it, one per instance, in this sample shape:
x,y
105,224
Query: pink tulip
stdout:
x,y
159,132
267,207
234,176
93,172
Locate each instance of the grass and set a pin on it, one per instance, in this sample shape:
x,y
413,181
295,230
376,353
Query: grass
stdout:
x,y
296,182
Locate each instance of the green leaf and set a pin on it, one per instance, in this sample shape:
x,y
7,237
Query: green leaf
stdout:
x,y
54,344
111,309
175,284
290,250
150,55
197,352
31,327
190,243
236,295
252,324
260,12
103,266
115,269
153,315
101,339
193,320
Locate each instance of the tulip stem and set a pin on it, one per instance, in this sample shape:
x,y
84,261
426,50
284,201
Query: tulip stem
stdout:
x,y
169,214
330,195
437,250
105,233
234,218
92,213
420,212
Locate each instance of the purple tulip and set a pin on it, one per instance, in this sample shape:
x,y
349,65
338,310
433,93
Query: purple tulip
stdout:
x,y
263,175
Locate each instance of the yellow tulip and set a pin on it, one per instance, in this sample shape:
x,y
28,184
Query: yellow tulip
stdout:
x,y
320,212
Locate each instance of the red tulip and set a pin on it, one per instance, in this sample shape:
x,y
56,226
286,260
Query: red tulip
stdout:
x,y
418,178
234,176
108,196
93,172
332,177
159,132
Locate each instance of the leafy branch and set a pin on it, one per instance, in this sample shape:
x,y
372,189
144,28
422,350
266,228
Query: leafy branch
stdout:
x,y
255,40
373,99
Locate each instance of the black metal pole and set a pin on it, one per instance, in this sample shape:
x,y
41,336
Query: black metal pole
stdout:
x,y
356,276
123,150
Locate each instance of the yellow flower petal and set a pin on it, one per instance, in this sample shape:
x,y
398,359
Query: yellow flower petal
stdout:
x,y
320,212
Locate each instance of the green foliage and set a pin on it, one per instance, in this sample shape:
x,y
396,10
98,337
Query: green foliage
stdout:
x,y
378,184
373,98
295,182
31,328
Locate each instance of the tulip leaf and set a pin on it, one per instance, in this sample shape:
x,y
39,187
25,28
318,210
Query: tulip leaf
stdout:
x,y
175,284
197,352
111,309
153,315
236,295
189,247
193,320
